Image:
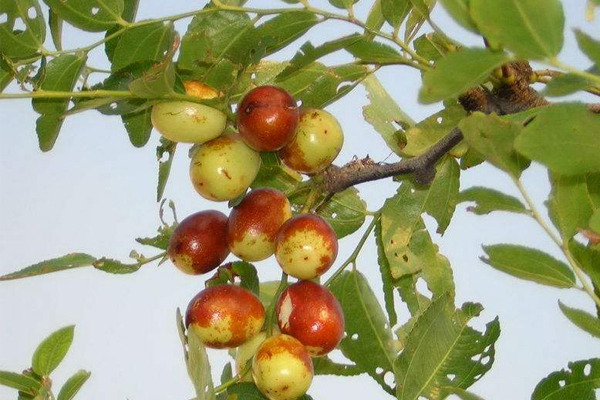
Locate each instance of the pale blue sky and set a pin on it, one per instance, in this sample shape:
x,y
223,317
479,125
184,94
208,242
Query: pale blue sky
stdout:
x,y
95,193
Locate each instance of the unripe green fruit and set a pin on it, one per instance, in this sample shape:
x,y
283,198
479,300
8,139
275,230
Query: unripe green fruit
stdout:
x,y
253,224
225,316
187,122
224,168
282,368
306,246
318,141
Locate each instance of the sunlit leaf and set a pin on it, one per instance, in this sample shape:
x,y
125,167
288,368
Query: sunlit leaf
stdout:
x,y
52,350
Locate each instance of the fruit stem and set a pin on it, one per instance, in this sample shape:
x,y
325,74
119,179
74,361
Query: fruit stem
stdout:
x,y
356,252
271,310
310,200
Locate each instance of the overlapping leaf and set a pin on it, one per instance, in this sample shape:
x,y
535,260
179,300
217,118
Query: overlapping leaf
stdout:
x,y
16,42
89,15
572,383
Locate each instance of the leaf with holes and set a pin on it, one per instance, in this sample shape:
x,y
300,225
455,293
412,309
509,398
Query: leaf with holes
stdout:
x,y
455,355
487,200
386,277
368,341
24,31
69,261
89,15
165,148
143,43
325,366
529,264
382,113
533,29
583,320
50,353
579,381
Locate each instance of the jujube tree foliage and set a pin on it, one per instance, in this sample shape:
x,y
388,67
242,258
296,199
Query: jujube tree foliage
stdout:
x,y
259,138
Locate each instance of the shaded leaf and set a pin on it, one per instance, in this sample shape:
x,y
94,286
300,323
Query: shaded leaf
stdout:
x,y
148,42
52,350
487,200
565,84
571,383
56,23
166,148
589,46
588,258
69,261
345,212
89,15
325,366
273,173
582,319
461,393
138,126
73,385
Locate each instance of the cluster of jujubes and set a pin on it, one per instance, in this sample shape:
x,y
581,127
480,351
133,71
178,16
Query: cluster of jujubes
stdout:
x,y
309,318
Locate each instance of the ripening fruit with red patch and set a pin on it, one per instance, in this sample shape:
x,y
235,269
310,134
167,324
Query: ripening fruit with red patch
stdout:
x,y
267,118
224,168
188,122
225,316
318,141
311,313
199,243
282,368
253,224
306,246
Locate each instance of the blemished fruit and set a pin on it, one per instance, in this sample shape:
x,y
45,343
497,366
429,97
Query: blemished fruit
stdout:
x,y
224,168
199,243
282,368
225,316
267,118
311,313
318,141
187,122
253,224
306,246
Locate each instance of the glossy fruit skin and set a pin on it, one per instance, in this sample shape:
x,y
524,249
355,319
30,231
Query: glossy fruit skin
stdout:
x,y
224,168
225,316
306,246
282,368
311,313
267,118
318,141
199,243
253,224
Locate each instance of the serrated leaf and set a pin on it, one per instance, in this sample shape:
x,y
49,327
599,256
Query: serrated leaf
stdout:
x,y
142,43
21,382
382,112
73,385
325,366
588,45
52,350
386,277
199,367
572,383
285,28
563,137
529,264
459,10
69,261
520,26
376,53
494,138
368,341
453,348
395,11
167,148
468,68
582,319
487,200
565,84
115,266
89,15
14,41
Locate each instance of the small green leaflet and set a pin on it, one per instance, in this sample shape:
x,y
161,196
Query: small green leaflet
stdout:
x,y
374,52
73,385
50,353
579,381
386,277
69,261
142,43
589,46
584,320
21,382
395,11
487,200
325,366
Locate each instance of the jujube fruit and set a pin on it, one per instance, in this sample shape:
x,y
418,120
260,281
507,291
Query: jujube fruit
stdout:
x,y
253,224
306,246
199,243
282,368
311,313
224,168
225,316
318,141
267,118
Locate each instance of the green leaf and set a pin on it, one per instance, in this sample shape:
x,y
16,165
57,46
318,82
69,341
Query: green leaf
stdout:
x,y
455,354
138,126
395,11
198,367
572,202
160,241
433,46
387,279
89,15
56,24
129,13
273,173
572,383
563,137
142,43
565,84
533,29
487,200
249,391
418,15
458,72
248,276
376,53
459,10
375,19
588,45
494,138
325,366
50,353
582,319
345,212
285,28
73,385
158,81
382,112
112,266
368,340
588,258
20,382
69,261
529,264
343,4
6,76
167,148
21,43
595,221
